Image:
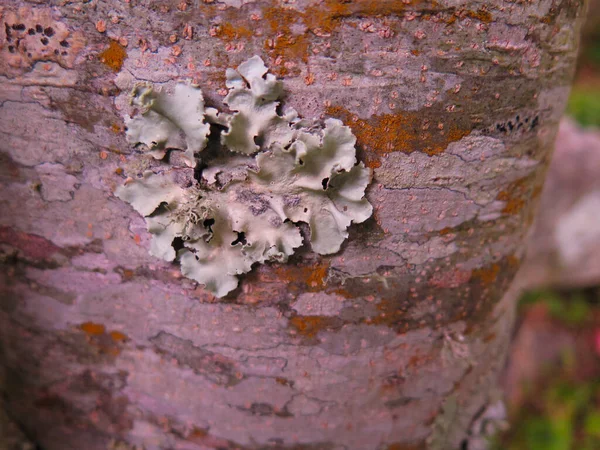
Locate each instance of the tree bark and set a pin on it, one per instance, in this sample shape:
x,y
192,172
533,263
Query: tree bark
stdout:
x,y
394,343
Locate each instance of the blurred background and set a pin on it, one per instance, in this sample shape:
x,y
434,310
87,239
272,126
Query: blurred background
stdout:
x,y
552,381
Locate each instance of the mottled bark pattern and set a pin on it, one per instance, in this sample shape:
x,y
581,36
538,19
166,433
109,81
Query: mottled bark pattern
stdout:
x,y
394,343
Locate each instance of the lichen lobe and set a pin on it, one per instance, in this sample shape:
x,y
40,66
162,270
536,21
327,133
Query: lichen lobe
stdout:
x,y
271,172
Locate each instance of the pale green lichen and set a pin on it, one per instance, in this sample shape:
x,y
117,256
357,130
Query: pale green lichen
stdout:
x,y
245,206
253,95
169,121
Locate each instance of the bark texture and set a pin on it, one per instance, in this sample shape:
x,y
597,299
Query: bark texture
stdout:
x,y
394,343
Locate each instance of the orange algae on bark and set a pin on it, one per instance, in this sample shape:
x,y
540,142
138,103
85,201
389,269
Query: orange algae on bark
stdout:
x,y
487,275
113,56
481,14
312,276
401,446
309,326
228,32
289,46
328,15
92,329
282,43
404,132
117,336
515,196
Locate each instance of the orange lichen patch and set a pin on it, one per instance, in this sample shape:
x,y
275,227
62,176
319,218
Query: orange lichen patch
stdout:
x,y
555,12
228,32
115,128
346,293
118,337
481,14
288,45
128,274
283,381
513,261
113,56
322,19
105,343
513,205
270,282
405,446
389,313
515,196
92,329
451,20
487,275
198,433
402,132
312,276
317,275
326,16
289,48
309,326
281,42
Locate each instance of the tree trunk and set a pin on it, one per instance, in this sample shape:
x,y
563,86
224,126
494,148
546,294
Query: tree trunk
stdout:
x,y
393,343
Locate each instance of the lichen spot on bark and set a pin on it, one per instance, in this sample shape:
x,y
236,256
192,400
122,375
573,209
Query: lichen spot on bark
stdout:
x,y
265,172
31,34
113,56
92,329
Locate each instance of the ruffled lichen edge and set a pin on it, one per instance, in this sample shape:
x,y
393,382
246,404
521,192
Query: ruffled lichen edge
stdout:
x,y
273,172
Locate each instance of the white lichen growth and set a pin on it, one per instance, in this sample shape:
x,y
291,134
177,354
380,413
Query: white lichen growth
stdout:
x,y
271,172
169,121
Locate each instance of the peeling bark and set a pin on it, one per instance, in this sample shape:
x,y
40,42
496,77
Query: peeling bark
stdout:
x,y
394,343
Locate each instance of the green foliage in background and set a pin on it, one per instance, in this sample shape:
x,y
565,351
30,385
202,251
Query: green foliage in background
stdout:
x,y
563,417
561,410
570,308
584,105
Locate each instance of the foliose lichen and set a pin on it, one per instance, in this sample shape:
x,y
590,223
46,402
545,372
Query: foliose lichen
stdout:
x,y
269,172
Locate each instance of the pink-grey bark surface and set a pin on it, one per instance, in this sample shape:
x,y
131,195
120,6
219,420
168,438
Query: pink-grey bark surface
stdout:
x,y
394,343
